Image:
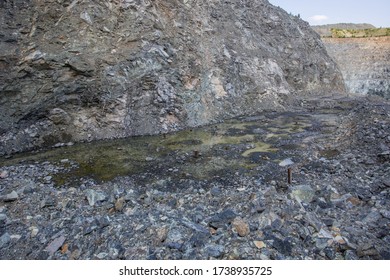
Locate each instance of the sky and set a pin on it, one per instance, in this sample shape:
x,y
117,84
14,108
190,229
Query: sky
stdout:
x,y
318,12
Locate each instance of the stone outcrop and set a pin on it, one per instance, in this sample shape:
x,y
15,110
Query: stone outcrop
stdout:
x,y
84,70
364,62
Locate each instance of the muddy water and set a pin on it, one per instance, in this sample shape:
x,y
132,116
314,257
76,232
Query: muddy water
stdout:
x,y
239,145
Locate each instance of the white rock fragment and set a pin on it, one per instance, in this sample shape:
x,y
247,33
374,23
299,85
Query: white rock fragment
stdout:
x,y
286,162
55,245
86,17
3,174
94,196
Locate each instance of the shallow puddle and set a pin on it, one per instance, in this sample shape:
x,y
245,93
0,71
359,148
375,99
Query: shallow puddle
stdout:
x,y
237,144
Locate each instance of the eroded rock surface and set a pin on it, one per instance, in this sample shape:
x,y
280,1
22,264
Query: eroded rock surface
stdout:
x,y
364,62
84,70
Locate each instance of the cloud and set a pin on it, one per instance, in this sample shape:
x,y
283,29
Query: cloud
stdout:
x,y
318,18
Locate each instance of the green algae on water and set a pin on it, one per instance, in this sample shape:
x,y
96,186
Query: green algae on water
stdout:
x,y
199,152
260,147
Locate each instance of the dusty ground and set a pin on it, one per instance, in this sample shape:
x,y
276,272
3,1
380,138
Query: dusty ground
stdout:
x,y
219,191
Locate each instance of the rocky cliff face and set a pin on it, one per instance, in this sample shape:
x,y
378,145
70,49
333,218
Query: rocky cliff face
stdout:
x,y
83,70
364,62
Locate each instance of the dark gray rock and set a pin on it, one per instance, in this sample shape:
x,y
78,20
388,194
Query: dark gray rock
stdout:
x,y
222,219
194,226
322,243
174,245
199,239
175,235
372,217
4,240
313,220
282,246
386,183
215,251
103,221
215,191
328,222
350,255
385,255
385,213
81,66
3,219
48,202
330,253
258,206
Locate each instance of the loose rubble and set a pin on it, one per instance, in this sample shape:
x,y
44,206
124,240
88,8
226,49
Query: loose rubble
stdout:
x,y
337,206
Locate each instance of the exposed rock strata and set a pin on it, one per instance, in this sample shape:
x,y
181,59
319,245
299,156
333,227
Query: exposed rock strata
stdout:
x,y
83,70
364,62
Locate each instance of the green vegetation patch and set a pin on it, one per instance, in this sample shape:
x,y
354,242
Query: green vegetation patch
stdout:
x,y
360,33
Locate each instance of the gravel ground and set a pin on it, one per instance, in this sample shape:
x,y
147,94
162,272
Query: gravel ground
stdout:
x,y
231,200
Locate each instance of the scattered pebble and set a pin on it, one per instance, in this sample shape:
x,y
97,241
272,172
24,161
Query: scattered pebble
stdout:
x,y
241,227
12,196
4,240
55,245
259,244
94,196
3,174
119,204
336,208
